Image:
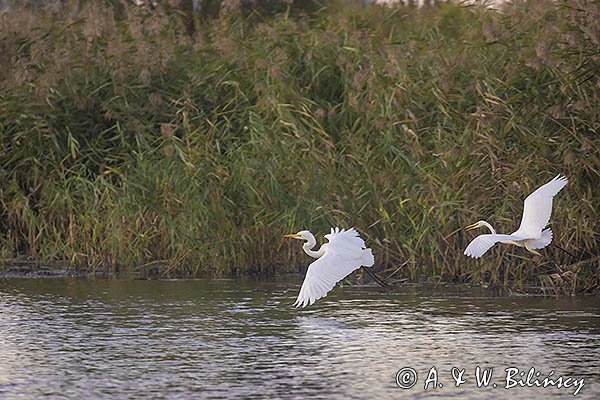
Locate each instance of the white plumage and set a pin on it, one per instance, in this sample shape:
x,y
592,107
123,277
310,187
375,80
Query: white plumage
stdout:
x,y
344,253
531,233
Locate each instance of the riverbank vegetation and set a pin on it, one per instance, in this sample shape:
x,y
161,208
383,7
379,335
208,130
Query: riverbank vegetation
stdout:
x,y
136,140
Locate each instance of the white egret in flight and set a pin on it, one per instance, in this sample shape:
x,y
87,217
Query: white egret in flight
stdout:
x,y
344,253
536,214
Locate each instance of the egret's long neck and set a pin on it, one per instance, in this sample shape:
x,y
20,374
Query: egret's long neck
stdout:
x,y
310,243
489,226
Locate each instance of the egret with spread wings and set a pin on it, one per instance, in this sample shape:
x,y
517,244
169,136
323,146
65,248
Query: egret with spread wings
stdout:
x,y
531,233
344,253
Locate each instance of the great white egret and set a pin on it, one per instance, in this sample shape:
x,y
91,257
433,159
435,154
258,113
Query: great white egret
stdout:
x,y
344,253
531,233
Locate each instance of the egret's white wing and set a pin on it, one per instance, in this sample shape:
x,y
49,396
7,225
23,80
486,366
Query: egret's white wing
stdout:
x,y
347,243
344,253
538,208
321,277
483,243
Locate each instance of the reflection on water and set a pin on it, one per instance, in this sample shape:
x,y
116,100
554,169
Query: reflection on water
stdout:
x,y
220,339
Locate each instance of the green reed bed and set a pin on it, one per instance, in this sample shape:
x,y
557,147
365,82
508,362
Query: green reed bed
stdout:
x,y
151,142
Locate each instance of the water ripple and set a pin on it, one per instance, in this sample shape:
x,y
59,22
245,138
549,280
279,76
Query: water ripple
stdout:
x,y
223,339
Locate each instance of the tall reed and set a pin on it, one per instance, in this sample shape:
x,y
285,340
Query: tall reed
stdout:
x,y
135,140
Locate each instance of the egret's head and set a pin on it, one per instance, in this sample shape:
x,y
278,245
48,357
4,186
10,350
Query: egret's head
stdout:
x,y
302,235
476,225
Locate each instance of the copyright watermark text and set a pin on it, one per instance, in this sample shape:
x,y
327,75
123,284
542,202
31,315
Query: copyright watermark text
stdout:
x,y
510,377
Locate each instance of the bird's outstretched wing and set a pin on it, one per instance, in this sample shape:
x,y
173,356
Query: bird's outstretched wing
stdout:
x,y
538,208
344,253
483,243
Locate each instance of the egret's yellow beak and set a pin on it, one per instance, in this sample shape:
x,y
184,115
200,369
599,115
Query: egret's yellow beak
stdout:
x,y
292,235
472,226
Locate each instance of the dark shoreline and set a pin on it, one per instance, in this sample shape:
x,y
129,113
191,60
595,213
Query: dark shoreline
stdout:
x,y
30,271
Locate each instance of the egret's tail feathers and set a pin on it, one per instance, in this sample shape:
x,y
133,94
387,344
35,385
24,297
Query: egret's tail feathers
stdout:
x,y
367,258
544,240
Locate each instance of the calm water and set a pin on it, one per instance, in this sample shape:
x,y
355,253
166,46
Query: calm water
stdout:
x,y
222,339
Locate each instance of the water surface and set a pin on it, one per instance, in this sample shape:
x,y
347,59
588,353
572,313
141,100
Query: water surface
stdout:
x,y
106,339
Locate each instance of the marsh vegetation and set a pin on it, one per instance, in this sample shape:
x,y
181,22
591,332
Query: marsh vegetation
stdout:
x,y
136,139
